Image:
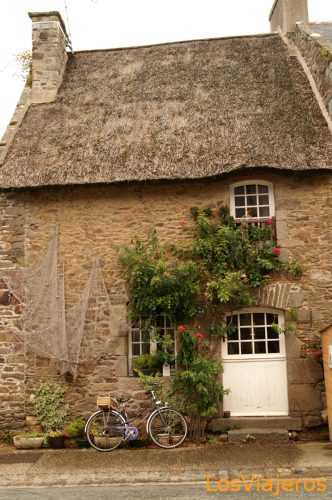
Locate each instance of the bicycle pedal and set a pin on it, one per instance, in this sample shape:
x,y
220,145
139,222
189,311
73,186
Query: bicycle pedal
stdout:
x,y
131,432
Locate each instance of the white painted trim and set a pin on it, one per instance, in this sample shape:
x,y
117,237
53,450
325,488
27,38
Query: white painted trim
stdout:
x,y
245,183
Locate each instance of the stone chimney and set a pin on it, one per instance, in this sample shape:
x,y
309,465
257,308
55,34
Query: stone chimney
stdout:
x,y
285,13
49,56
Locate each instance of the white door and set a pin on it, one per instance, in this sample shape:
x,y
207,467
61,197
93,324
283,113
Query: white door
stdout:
x,y
254,361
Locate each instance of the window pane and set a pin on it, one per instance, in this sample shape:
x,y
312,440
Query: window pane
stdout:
x,y
233,348
233,333
135,335
259,333
145,348
272,334
252,201
246,348
239,190
264,211
251,188
259,318
160,321
136,349
273,346
271,318
263,199
260,348
239,213
239,201
252,212
262,188
245,333
245,319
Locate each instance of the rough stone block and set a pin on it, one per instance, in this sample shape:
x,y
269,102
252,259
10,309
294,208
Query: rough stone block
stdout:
x,y
121,366
293,346
304,398
304,371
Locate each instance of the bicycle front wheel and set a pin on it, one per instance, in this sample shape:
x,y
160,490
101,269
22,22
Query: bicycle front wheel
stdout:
x,y
105,430
167,428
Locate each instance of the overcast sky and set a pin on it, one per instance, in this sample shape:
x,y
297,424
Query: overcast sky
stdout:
x,y
97,24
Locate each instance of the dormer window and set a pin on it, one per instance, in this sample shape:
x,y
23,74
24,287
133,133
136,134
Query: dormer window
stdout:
x,y
252,201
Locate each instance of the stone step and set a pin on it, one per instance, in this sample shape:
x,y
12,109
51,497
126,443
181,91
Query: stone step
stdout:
x,y
252,434
288,423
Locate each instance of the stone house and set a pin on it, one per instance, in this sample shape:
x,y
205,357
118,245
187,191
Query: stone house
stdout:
x,y
107,143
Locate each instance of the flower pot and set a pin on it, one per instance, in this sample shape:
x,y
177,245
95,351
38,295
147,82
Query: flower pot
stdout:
x,y
28,443
56,442
83,443
105,441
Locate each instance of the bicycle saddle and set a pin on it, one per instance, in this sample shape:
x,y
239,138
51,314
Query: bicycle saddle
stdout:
x,y
123,399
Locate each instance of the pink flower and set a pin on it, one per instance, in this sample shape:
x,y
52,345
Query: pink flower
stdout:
x,y
269,221
276,251
181,328
199,335
182,223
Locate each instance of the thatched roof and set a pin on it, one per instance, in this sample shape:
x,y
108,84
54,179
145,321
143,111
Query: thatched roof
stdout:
x,y
175,111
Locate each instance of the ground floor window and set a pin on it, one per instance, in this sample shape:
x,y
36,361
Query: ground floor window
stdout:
x,y
144,342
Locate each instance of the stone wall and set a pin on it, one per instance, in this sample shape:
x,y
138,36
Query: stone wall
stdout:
x,y
97,220
317,52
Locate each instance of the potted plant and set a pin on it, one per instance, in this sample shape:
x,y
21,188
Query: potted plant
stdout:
x,y
149,364
313,350
76,430
28,440
49,410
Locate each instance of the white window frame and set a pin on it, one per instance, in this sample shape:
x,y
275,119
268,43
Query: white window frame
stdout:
x,y
269,185
153,344
253,356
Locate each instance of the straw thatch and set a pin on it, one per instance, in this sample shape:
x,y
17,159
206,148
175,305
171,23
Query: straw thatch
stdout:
x,y
175,111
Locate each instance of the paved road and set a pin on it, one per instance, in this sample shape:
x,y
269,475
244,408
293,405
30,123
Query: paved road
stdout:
x,y
151,491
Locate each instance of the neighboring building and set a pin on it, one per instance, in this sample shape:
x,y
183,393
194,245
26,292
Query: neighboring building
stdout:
x,y
108,143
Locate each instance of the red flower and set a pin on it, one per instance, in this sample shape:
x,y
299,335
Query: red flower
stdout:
x,y
269,221
182,223
199,335
276,251
181,328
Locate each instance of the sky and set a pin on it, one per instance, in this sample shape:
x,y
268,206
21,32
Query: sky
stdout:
x,y
96,24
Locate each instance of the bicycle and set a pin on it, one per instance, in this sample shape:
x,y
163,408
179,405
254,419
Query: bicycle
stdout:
x,y
107,428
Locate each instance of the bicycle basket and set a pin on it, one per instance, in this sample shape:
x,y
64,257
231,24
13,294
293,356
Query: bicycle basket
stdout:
x,y
106,402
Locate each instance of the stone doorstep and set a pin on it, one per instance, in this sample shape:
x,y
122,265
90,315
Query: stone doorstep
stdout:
x,y
238,436
288,423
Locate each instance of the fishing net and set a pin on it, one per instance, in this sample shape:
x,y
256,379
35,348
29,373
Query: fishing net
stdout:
x,y
81,334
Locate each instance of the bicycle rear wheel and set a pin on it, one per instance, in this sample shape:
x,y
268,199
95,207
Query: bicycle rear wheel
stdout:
x,y
105,430
167,428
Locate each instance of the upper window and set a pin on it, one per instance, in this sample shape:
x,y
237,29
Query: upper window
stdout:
x,y
252,201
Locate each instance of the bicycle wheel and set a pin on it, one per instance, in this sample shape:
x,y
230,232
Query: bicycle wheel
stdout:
x,y
167,428
105,430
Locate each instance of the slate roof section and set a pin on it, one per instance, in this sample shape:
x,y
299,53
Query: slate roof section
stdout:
x,y
183,110
324,29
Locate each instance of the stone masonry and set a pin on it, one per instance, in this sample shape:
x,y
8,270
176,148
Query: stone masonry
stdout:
x,y
49,56
98,220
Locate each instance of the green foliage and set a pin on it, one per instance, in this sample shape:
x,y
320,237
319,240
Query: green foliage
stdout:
x,y
46,401
324,53
76,428
234,258
159,283
152,363
197,385
249,438
31,434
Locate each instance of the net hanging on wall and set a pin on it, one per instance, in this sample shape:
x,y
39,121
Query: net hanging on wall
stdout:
x,y
84,333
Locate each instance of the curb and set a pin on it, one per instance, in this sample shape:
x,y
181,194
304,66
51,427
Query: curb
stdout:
x,y
166,477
